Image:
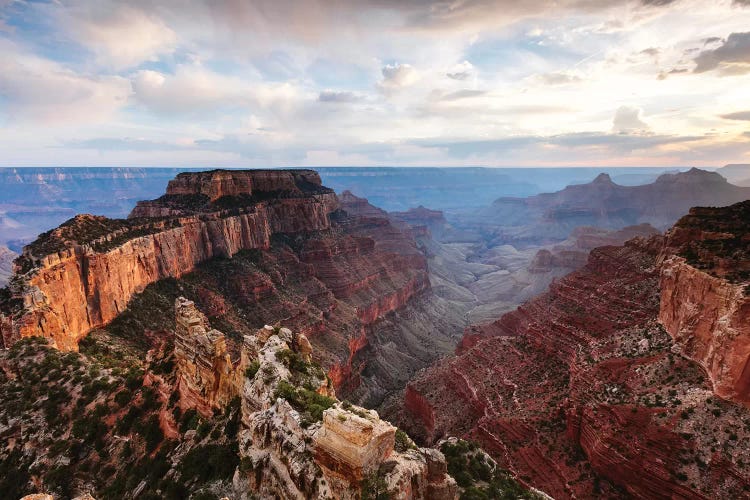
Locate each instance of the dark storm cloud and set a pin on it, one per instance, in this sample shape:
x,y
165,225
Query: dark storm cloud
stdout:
x,y
734,50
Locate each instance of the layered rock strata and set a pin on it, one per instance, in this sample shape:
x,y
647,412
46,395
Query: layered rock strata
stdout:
x,y
84,273
705,307
207,377
581,392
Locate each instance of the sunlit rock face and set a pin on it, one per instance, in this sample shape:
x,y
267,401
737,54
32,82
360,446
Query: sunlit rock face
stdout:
x,y
321,266
297,440
597,388
705,305
207,377
83,274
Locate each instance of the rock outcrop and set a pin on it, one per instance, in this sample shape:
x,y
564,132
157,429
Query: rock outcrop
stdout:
x,y
705,305
297,441
207,377
83,274
6,264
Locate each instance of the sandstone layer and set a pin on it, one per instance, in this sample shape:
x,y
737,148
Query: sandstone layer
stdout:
x,y
287,451
207,377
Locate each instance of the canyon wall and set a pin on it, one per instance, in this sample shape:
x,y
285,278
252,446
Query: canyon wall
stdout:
x,y
85,284
709,319
705,305
582,393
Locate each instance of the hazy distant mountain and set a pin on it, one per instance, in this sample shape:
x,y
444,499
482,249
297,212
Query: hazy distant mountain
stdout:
x,y
550,217
737,173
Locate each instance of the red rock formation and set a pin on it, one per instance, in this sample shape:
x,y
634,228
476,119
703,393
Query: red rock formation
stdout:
x,y
704,302
218,183
85,282
314,268
578,392
207,377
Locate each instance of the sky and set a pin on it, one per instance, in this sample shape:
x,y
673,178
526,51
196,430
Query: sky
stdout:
x,y
232,83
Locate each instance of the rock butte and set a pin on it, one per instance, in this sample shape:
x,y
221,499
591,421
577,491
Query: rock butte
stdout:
x,y
86,282
329,268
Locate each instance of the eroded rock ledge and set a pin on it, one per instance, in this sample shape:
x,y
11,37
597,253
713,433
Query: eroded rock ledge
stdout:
x,y
297,441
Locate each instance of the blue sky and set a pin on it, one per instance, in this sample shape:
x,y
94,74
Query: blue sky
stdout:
x,y
372,82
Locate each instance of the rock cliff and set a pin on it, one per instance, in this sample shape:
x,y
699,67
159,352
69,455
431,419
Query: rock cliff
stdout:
x,y
248,249
705,305
84,273
296,440
207,377
582,393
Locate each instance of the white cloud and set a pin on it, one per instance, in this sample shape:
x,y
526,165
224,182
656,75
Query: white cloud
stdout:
x,y
121,35
628,119
43,91
462,71
397,76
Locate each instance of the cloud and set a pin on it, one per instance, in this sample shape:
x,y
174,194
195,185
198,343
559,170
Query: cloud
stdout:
x,y
462,71
739,115
658,3
675,71
122,144
614,143
120,35
462,94
40,90
338,96
557,78
396,76
733,56
627,120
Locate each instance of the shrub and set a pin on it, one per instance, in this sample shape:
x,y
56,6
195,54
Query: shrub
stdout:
x,y
309,403
152,433
252,369
209,463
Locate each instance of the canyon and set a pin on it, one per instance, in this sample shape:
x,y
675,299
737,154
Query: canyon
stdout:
x,y
626,378
230,314
338,271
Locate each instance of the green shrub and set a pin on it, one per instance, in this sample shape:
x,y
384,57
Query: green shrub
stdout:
x,y
152,433
252,369
309,403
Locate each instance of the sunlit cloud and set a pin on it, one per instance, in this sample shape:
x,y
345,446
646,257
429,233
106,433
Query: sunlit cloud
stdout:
x,y
292,82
